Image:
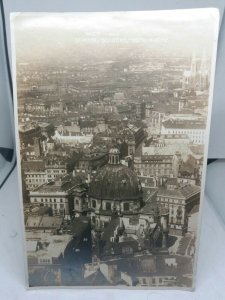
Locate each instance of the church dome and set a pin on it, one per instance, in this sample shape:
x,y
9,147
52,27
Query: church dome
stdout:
x,y
115,182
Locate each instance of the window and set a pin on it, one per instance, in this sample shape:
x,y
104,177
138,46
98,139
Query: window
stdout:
x,y
94,204
127,250
45,261
126,206
144,281
108,206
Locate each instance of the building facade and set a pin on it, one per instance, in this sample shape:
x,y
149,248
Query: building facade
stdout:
x,y
195,130
179,200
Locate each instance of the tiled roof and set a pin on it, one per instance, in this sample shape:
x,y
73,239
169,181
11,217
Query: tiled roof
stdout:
x,y
33,165
181,192
63,184
33,221
51,222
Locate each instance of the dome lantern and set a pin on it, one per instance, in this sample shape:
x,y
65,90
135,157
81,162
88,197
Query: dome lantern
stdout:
x,y
114,156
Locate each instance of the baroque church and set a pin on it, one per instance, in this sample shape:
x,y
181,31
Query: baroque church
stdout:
x,y
121,221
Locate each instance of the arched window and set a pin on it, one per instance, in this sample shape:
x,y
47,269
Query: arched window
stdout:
x,y
93,203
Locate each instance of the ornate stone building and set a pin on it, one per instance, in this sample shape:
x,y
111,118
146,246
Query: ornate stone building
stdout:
x,y
115,190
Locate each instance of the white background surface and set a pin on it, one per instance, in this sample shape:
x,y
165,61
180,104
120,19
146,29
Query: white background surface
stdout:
x,y
210,283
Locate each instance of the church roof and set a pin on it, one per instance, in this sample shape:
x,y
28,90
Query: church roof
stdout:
x,y
115,182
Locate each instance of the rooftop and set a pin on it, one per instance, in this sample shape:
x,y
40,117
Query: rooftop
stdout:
x,y
54,246
78,226
51,222
149,265
40,222
165,150
184,124
181,192
63,184
33,165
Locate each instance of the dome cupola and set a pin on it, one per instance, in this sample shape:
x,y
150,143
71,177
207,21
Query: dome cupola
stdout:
x,y
114,156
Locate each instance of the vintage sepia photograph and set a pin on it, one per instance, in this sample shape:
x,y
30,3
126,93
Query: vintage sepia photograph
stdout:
x,y
112,131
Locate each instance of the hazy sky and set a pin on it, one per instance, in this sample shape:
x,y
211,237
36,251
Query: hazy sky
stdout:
x,y
159,33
